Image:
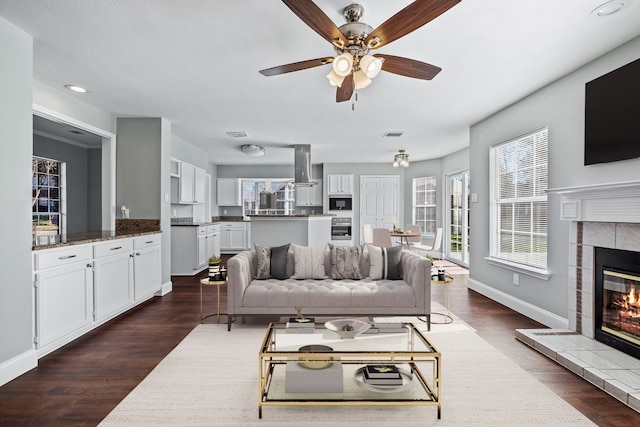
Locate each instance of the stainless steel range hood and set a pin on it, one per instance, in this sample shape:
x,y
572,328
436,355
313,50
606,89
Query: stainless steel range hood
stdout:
x,y
302,165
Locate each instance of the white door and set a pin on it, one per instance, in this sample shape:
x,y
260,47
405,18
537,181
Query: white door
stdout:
x,y
379,201
456,239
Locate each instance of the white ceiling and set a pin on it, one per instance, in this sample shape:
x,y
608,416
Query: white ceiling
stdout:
x,y
196,62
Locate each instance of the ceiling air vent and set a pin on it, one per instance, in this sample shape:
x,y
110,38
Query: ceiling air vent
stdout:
x,y
237,134
395,133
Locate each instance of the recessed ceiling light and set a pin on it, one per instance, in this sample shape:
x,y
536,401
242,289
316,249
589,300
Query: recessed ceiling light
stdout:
x,y
609,8
76,88
239,134
394,133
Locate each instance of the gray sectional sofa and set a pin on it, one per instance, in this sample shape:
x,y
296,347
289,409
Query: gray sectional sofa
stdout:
x,y
376,293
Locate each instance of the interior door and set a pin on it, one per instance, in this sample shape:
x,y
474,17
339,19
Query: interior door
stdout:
x,y
379,201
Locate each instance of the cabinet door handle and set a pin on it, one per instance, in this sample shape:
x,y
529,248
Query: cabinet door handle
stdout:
x,y
131,256
150,241
67,257
137,253
116,248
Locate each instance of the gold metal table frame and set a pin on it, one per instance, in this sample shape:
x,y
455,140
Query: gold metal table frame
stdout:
x,y
418,354
217,283
448,279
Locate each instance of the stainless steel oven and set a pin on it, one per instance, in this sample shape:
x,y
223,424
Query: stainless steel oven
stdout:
x,y
341,228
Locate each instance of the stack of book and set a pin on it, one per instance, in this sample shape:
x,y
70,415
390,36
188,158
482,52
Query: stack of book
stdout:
x,y
301,325
386,328
382,375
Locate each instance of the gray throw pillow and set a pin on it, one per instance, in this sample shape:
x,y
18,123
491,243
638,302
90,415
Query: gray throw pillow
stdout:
x,y
279,262
263,255
394,266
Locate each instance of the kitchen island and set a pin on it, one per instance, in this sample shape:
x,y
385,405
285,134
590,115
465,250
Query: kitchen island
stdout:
x,y
303,230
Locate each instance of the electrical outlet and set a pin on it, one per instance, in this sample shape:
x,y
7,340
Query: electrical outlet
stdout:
x,y
224,212
516,279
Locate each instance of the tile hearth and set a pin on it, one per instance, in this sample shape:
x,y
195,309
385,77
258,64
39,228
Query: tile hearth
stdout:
x,y
611,370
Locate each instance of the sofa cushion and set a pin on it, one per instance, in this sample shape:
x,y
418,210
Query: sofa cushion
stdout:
x,y
384,263
279,262
263,256
308,262
345,262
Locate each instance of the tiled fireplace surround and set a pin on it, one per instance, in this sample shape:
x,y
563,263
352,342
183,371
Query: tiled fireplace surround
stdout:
x,y
601,216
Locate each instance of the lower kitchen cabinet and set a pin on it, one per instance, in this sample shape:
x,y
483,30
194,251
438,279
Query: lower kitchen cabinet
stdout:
x,y
79,287
235,236
191,247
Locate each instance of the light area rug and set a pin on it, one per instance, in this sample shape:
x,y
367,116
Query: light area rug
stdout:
x,y
211,379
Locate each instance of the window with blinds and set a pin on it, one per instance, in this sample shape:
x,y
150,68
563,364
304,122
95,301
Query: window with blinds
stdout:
x,y
424,204
519,201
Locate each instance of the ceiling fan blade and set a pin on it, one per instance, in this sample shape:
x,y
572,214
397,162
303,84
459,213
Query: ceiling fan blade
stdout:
x,y
344,92
315,18
408,67
296,66
407,20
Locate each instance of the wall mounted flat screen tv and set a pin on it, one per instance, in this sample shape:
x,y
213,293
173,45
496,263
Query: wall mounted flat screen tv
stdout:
x,y
612,116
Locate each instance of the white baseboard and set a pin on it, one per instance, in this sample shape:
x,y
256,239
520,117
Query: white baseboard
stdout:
x,y
165,289
13,368
538,314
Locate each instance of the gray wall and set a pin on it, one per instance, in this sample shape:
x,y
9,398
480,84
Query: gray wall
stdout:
x,y
83,181
16,307
560,106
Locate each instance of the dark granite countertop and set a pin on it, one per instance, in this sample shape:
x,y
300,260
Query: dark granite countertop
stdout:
x,y
293,216
48,242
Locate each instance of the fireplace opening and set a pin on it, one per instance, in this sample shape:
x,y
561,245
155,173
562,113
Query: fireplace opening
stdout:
x,y
617,299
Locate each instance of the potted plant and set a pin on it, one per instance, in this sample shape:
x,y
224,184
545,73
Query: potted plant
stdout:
x,y
214,267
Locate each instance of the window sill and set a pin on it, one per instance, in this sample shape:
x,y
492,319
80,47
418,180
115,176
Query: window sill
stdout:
x,y
520,268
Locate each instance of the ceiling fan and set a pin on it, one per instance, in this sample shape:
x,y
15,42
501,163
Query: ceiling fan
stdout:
x,y
353,67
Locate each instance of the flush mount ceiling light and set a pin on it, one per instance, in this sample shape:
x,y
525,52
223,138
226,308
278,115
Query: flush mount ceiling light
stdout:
x,y
609,8
76,88
252,150
401,159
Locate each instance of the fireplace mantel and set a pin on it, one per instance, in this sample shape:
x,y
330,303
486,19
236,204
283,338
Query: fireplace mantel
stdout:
x,y
613,202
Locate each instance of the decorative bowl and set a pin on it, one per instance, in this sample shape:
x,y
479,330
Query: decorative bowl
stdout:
x,y
311,362
347,328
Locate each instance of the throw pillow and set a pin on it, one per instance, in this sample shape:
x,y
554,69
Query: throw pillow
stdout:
x,y
345,262
384,263
263,254
308,262
279,262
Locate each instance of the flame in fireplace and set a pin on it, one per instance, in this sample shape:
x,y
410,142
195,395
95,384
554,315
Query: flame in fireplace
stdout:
x,y
628,303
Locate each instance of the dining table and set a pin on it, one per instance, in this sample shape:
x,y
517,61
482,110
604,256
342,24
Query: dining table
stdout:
x,y
404,235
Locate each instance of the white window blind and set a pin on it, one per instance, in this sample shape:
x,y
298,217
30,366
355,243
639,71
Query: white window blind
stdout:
x,y
424,204
519,202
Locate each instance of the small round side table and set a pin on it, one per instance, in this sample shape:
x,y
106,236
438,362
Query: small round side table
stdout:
x,y
217,283
447,299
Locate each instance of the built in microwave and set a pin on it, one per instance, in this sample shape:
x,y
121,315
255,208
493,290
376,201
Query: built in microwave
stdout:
x,y
339,203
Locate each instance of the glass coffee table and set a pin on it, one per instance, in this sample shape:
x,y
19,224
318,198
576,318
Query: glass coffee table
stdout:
x,y
283,367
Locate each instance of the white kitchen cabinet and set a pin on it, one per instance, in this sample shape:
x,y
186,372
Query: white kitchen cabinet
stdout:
x,y
309,195
113,277
147,278
63,282
229,192
191,184
235,236
191,247
340,184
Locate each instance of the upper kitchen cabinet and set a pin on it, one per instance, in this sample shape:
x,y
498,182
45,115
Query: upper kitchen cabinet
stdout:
x,y
229,192
340,184
309,195
188,183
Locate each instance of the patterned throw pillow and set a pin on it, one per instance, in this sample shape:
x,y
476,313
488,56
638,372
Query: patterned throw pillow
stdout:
x,y
384,263
309,262
263,254
345,262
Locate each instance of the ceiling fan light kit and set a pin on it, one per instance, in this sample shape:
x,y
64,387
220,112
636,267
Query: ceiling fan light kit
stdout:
x,y
353,67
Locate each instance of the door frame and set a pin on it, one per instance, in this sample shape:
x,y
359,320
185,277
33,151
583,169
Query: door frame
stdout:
x,y
446,235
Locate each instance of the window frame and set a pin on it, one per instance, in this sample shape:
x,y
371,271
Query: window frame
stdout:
x,y
525,264
433,206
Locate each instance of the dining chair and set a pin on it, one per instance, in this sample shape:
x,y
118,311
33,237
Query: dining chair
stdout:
x,y
367,233
413,228
435,246
382,238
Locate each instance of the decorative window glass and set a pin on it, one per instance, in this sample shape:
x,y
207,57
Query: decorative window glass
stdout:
x,y
424,204
48,207
283,189
519,176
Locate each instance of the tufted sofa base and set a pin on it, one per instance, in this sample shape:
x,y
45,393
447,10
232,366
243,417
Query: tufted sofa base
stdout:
x,y
327,297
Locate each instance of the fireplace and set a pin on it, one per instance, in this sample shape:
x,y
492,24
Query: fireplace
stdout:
x,y
617,299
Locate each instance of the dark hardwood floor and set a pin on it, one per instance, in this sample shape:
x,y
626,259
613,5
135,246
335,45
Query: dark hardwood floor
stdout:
x,y
79,384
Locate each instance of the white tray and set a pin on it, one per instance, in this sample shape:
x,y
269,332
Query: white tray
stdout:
x,y
407,378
